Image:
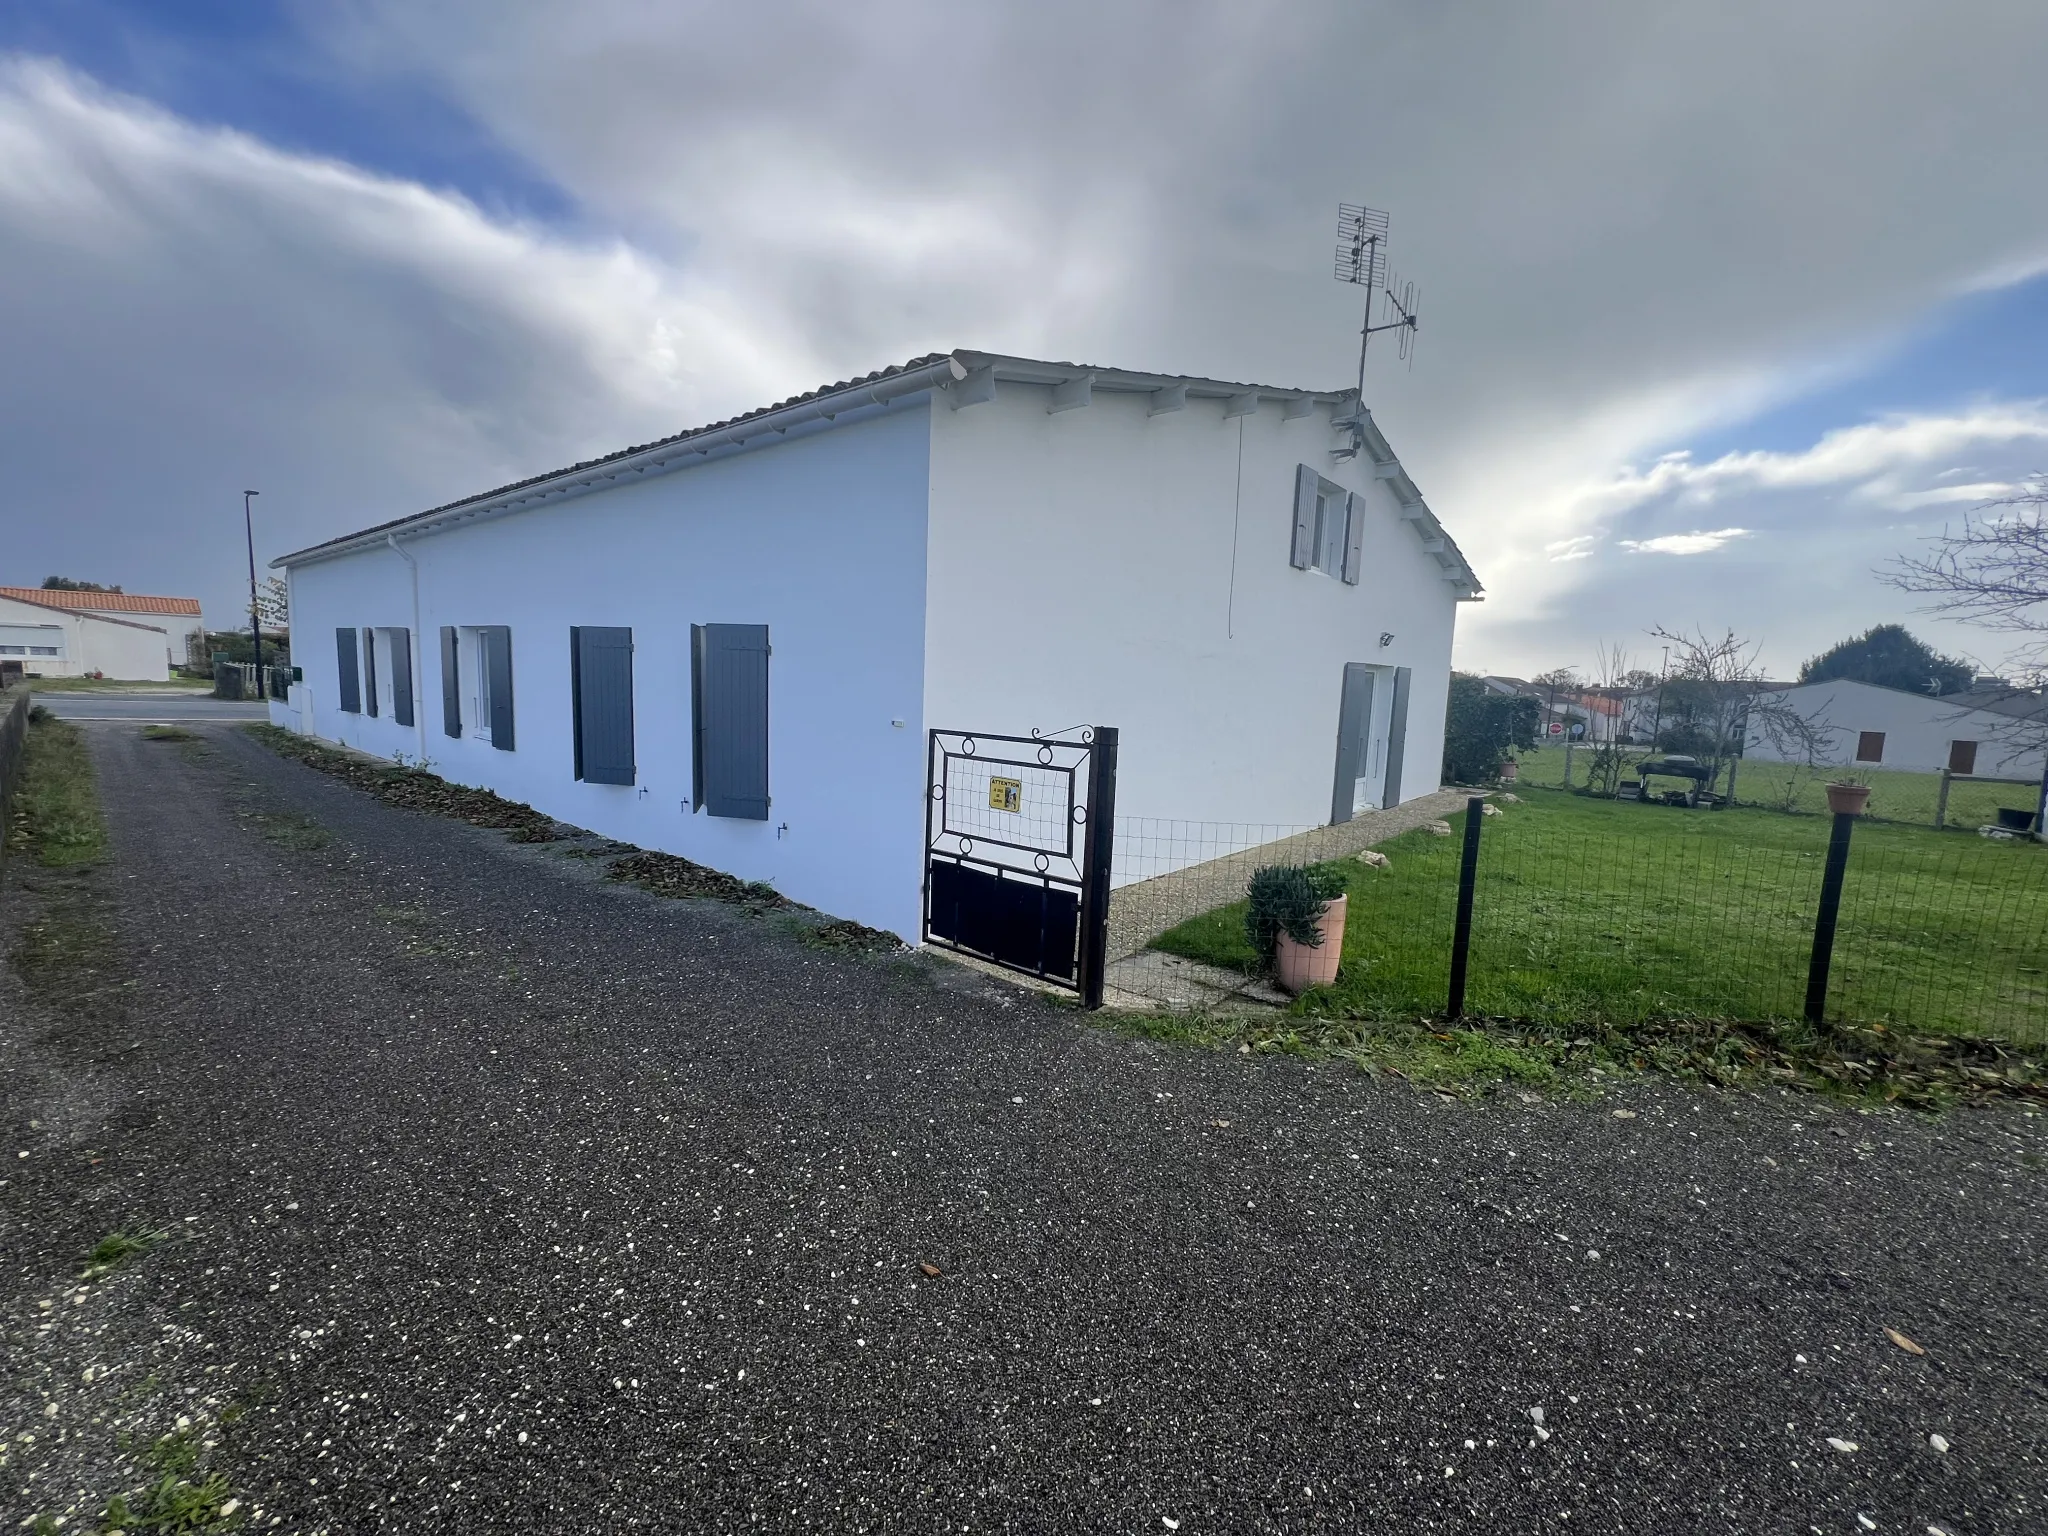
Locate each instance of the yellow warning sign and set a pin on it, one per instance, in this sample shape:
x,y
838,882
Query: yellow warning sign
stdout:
x,y
1005,794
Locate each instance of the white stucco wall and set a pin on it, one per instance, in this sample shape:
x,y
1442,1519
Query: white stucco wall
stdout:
x,y
131,651
1917,730
820,537
1107,566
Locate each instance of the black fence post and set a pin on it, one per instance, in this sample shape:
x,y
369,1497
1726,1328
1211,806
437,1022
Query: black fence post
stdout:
x,y
1461,935
1096,854
1824,920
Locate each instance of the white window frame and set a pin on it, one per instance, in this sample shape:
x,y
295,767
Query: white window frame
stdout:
x,y
474,681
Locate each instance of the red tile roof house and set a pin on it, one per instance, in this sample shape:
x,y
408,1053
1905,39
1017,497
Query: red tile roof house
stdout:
x,y
118,634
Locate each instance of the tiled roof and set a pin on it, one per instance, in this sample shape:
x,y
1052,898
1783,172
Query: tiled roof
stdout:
x,y
626,453
103,602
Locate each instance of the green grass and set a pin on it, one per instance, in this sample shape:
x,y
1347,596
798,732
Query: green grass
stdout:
x,y
57,808
115,1250
1894,796
168,733
179,1497
1612,913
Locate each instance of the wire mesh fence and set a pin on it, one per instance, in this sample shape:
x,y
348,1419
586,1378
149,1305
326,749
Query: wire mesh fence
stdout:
x,y
1612,912
1961,801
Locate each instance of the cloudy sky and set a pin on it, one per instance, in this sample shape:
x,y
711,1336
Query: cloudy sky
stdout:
x,y
1723,305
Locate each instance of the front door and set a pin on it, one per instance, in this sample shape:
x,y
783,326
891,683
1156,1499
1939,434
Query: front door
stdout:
x,y
1361,743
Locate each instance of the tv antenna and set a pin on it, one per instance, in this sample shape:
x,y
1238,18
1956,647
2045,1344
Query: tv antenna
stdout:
x,y
1362,259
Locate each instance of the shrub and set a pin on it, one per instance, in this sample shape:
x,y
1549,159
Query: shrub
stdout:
x,y
1287,898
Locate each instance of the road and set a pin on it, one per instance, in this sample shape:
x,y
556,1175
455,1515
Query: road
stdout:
x,y
166,708
504,1198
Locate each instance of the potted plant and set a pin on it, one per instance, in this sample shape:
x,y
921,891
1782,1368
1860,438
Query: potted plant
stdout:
x,y
1295,920
1510,771
1848,793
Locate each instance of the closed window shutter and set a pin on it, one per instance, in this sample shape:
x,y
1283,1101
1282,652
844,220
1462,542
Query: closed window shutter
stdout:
x,y
1354,536
601,659
370,671
698,717
498,680
347,673
401,676
451,684
1397,737
734,720
1305,484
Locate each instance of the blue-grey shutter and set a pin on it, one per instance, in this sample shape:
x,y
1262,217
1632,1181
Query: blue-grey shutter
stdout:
x,y
347,672
498,682
732,720
1397,737
401,676
1306,482
370,671
697,717
451,683
601,672
1354,536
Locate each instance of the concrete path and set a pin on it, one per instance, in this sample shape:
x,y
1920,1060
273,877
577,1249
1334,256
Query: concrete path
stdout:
x,y
500,1198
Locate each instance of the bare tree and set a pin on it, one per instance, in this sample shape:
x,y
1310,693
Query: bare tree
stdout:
x,y
1719,702
1993,572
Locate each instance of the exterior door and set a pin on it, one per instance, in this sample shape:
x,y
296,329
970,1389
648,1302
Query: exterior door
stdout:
x,y
1361,749
1962,757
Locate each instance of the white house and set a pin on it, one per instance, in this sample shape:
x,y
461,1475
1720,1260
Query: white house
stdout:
x,y
731,644
52,638
1998,733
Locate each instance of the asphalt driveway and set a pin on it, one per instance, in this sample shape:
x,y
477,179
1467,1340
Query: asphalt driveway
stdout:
x,y
503,1198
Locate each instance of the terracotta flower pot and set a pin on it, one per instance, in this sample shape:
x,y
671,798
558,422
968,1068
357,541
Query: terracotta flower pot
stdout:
x,y
1297,967
1848,799
1510,771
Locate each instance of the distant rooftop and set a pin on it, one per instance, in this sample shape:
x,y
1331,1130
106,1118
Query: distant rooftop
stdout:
x,y
103,602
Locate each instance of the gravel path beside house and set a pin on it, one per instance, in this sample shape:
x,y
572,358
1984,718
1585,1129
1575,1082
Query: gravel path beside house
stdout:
x,y
504,1198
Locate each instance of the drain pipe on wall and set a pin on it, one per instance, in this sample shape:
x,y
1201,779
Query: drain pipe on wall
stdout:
x,y
419,650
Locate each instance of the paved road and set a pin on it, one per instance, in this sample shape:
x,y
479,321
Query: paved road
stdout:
x,y
182,708
510,1200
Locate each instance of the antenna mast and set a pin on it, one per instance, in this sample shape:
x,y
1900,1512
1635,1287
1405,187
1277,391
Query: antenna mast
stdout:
x,y
1362,259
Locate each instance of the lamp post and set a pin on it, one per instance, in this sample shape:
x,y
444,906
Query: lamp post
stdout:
x,y
255,614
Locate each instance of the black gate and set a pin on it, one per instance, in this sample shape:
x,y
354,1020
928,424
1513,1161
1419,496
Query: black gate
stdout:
x,y
1018,834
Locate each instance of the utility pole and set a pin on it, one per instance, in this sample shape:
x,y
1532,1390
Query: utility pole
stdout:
x,y
255,613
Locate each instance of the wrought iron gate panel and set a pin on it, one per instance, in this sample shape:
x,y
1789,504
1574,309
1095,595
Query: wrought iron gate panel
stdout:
x,y
1017,849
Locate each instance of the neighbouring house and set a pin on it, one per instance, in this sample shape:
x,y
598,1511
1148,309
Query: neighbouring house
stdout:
x,y
732,644
1992,730
1585,716
58,639
177,617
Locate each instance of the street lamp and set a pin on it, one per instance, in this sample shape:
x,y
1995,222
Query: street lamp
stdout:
x,y
255,614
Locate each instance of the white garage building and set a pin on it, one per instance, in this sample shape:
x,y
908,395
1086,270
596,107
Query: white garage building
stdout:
x,y
731,644
1997,732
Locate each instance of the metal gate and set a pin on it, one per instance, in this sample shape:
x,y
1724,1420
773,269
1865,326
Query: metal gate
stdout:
x,y
1018,836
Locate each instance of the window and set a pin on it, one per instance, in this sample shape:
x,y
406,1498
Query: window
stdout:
x,y
349,679
1962,757
729,719
601,700
1870,746
476,682
1329,526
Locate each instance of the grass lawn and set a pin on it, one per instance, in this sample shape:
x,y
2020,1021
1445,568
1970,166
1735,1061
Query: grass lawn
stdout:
x,y
56,805
1611,912
1906,797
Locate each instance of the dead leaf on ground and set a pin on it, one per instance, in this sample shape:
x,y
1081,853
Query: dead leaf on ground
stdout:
x,y
931,1271
1903,1342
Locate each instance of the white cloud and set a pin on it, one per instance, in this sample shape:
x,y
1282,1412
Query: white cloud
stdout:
x,y
1578,547
1901,462
1695,543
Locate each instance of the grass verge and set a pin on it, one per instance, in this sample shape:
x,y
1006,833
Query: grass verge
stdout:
x,y
1864,1065
57,809
168,733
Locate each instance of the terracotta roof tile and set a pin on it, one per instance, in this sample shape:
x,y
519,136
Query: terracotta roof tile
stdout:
x,y
104,602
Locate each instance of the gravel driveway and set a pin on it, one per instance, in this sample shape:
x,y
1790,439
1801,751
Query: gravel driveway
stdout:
x,y
506,1199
